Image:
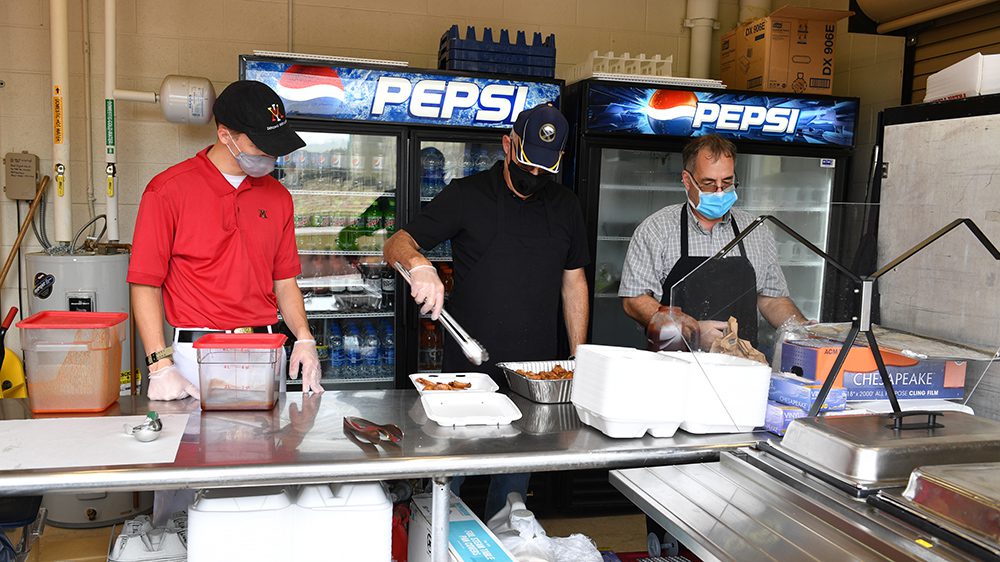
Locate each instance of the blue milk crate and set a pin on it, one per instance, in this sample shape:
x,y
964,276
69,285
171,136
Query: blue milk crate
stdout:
x,y
486,55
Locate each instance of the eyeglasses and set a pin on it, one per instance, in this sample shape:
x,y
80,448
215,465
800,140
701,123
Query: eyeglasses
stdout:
x,y
711,186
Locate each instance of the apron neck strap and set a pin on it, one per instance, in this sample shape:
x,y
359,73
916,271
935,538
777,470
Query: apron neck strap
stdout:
x,y
684,232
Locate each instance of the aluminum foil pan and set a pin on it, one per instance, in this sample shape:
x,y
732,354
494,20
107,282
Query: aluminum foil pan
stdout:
x,y
542,391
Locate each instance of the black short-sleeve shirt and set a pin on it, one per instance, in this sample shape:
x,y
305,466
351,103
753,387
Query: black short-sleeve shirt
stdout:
x,y
465,212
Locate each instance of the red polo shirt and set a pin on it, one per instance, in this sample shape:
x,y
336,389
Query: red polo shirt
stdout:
x,y
215,251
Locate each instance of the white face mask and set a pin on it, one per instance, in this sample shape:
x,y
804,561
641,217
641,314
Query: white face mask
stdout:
x,y
255,166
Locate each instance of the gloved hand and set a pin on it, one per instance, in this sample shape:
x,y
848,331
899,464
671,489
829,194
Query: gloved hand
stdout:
x,y
427,289
711,330
304,355
168,383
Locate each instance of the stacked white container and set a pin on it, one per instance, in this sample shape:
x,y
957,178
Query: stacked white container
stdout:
x,y
240,524
725,394
625,392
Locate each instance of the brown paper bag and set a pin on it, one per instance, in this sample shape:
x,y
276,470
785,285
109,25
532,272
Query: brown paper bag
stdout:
x,y
730,344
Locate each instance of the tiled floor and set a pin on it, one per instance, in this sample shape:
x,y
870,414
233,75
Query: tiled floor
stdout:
x,y
620,533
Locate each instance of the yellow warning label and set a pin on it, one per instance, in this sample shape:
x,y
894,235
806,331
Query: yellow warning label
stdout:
x,y
925,543
60,185
111,186
57,119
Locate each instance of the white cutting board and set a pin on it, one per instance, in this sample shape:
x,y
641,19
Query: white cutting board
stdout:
x,y
85,442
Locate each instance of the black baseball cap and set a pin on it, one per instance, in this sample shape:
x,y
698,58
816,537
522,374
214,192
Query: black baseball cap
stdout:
x,y
252,108
543,131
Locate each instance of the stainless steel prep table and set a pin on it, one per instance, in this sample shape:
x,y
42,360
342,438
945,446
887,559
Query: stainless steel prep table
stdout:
x,y
302,441
734,510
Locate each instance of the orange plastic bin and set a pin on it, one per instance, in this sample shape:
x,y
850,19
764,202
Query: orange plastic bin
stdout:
x,y
72,360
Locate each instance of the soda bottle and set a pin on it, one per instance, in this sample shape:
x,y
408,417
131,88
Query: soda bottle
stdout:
x,y
429,348
389,216
335,345
388,347
358,164
352,352
338,168
371,356
447,279
377,166
482,160
322,168
468,163
432,178
388,286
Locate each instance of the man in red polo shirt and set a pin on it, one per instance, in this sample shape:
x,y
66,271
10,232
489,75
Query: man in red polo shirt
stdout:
x,y
214,245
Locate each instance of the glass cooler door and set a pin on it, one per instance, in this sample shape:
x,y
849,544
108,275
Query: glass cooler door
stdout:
x,y
439,162
344,191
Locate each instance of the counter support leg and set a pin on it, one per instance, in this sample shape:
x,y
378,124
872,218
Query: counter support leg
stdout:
x,y
440,496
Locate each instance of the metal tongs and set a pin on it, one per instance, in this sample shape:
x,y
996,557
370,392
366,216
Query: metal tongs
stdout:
x,y
473,350
372,433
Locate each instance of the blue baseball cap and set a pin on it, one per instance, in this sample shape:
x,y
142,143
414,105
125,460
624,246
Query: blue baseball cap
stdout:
x,y
543,131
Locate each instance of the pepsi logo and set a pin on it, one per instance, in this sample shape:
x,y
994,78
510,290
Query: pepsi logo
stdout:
x,y
303,83
671,112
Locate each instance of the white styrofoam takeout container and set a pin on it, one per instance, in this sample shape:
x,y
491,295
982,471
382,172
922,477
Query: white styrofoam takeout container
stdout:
x,y
475,408
725,394
481,382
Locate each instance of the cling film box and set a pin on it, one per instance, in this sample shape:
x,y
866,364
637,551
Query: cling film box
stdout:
x,y
790,50
859,376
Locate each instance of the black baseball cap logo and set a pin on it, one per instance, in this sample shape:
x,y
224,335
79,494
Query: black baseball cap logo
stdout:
x,y
547,132
276,114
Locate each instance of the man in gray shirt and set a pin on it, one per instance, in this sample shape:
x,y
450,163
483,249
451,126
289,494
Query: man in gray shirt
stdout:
x,y
679,239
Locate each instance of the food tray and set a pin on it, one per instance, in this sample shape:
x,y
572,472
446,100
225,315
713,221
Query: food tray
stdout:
x,y
865,454
481,382
966,495
476,408
556,391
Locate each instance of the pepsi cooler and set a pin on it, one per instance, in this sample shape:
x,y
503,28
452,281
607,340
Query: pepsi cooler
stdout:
x,y
793,160
381,141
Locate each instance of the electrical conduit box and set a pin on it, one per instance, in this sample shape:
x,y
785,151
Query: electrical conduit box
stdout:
x,y
790,50
469,539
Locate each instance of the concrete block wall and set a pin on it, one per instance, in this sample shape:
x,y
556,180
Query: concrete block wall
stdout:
x,y
204,38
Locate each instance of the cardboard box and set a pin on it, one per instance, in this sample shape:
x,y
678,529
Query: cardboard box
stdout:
x,y
790,50
976,75
727,60
469,540
801,392
911,378
778,416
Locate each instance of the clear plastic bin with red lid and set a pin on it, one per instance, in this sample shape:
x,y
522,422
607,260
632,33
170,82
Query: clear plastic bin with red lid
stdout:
x,y
72,359
239,371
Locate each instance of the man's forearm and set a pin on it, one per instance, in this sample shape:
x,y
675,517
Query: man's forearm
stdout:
x,y
292,308
147,309
576,307
640,308
778,310
402,248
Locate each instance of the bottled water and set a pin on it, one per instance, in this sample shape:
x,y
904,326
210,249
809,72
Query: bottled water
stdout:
x,y
370,354
335,345
388,344
352,352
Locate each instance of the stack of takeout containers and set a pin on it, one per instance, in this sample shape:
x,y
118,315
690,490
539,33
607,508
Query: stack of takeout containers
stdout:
x,y
239,371
72,360
625,392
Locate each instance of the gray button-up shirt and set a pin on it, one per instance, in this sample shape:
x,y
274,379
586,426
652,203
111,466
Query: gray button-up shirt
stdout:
x,y
655,248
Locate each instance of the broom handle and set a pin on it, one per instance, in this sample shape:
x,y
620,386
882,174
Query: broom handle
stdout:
x,y
24,229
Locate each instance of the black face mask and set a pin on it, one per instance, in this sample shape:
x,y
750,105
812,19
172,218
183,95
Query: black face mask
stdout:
x,y
526,183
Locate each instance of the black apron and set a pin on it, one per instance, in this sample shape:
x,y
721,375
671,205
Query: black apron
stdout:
x,y
715,294
509,299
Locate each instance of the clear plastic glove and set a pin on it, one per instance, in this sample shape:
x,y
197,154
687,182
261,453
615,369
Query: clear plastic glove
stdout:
x,y
169,384
427,290
304,356
711,330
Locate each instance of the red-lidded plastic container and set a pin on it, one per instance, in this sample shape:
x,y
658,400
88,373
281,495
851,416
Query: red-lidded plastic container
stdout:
x,y
239,371
72,360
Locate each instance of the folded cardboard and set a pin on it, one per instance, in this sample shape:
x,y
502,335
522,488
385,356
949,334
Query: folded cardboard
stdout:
x,y
793,390
469,539
778,416
790,50
976,75
859,377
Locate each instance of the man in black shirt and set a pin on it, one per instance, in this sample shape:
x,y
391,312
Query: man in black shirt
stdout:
x,y
519,249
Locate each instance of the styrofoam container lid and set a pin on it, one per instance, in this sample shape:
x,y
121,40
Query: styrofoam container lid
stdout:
x,y
477,408
481,382
71,320
240,341
270,498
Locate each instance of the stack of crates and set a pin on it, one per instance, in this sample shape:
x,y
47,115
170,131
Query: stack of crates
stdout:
x,y
537,59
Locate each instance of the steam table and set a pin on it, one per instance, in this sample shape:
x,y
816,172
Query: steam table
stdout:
x,y
302,441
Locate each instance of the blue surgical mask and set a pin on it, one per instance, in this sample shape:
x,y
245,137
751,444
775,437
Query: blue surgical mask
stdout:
x,y
715,205
253,165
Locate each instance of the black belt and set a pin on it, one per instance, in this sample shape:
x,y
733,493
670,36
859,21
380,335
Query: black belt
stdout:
x,y
191,336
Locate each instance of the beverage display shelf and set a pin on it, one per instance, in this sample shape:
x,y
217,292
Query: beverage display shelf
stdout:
x,y
341,193
340,253
614,238
634,187
343,315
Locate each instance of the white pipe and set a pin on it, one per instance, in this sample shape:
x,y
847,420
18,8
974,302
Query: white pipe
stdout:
x,y
928,15
702,18
59,36
290,27
753,9
136,95
88,111
110,142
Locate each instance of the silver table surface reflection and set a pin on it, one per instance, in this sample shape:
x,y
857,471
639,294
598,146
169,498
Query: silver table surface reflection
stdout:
x,y
302,441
